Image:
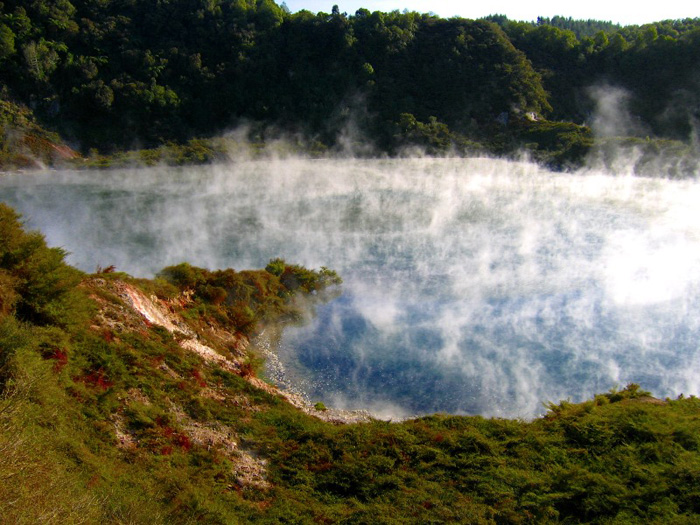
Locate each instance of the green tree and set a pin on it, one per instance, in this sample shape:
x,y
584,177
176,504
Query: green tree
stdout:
x,y
36,279
7,42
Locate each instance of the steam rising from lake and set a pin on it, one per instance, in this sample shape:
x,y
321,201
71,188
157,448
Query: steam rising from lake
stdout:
x,y
470,286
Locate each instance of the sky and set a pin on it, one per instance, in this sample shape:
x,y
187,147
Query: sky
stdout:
x,y
624,13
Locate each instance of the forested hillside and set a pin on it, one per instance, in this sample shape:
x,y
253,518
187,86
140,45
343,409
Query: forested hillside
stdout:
x,y
112,75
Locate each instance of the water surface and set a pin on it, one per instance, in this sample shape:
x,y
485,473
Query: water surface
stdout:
x,y
470,286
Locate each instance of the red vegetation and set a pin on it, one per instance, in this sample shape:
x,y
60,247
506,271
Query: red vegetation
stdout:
x,y
183,442
176,438
198,377
246,370
60,356
98,379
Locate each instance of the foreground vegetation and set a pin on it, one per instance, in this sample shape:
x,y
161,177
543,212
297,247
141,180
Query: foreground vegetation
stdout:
x,y
107,417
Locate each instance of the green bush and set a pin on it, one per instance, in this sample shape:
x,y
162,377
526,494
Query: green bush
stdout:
x,y
243,299
35,278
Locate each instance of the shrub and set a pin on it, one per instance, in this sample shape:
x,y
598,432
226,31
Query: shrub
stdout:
x,y
183,275
35,278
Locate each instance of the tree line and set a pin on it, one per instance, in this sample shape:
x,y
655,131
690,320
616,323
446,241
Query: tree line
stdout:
x,y
118,74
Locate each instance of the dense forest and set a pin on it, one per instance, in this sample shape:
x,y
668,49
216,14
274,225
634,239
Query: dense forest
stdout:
x,y
110,75
136,401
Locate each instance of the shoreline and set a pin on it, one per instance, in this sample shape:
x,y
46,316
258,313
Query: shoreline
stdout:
x,y
274,372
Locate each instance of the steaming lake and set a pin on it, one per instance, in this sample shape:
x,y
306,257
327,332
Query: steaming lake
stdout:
x,y
470,286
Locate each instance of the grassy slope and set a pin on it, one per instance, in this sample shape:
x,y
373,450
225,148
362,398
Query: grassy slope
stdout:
x,y
25,144
106,418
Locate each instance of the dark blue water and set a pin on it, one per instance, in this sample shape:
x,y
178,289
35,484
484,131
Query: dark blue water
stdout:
x,y
470,286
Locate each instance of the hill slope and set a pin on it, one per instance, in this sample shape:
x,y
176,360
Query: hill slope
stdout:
x,y
113,75
136,401
25,144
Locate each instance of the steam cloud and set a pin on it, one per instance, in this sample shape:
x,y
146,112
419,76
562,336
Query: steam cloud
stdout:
x,y
471,286
611,117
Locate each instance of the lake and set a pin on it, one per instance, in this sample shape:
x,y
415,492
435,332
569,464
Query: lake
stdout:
x,y
471,286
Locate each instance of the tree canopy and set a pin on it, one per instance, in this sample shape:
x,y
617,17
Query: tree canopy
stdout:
x,y
111,74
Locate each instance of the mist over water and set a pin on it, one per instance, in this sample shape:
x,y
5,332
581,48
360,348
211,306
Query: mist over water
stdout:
x,y
471,286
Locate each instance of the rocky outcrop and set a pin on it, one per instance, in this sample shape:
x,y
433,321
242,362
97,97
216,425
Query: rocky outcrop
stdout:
x,y
216,345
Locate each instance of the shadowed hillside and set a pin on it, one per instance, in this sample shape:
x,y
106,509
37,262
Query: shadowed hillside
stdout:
x,y
110,76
